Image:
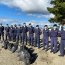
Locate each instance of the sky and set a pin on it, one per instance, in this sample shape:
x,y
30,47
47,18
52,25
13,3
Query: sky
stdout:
x,y
28,11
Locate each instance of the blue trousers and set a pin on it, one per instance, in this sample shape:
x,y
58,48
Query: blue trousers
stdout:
x,y
7,36
14,36
54,44
24,38
19,37
37,40
62,45
45,42
31,39
11,36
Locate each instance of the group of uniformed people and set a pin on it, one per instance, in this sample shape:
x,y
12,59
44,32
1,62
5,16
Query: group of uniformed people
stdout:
x,y
22,34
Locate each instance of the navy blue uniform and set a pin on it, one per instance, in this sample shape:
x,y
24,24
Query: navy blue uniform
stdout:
x,y
31,35
2,32
14,33
7,32
62,44
19,34
11,31
37,37
45,38
2,29
24,34
53,37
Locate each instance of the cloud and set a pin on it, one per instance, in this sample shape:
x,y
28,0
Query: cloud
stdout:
x,y
29,6
42,15
5,21
9,21
49,16
40,23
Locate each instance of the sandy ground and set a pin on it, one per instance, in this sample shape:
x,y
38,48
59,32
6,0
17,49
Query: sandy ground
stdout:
x,y
44,58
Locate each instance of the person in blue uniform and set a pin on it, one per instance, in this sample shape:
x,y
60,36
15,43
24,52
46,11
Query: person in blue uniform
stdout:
x,y
2,32
19,34
31,34
45,37
62,43
14,32
37,32
11,31
24,34
53,37
6,32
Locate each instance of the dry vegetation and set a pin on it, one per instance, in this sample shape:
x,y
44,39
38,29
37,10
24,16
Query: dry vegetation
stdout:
x,y
44,58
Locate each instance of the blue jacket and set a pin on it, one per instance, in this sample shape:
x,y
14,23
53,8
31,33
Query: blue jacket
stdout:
x,y
19,30
1,30
62,33
37,32
11,31
53,33
7,29
45,33
24,29
31,30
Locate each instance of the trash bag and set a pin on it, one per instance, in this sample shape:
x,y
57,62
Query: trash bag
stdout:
x,y
14,48
5,44
24,56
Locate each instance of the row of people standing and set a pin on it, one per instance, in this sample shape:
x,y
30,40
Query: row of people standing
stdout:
x,y
20,33
54,33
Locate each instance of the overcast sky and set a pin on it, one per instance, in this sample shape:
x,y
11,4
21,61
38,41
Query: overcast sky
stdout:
x,y
19,11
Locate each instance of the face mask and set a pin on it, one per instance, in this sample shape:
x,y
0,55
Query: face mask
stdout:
x,y
49,29
55,28
45,28
64,27
36,27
